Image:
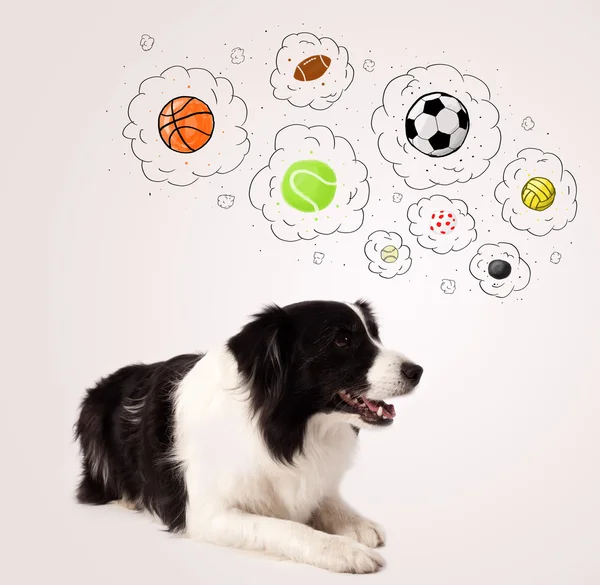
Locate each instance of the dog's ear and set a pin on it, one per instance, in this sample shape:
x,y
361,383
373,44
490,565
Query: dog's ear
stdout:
x,y
369,315
264,351
364,304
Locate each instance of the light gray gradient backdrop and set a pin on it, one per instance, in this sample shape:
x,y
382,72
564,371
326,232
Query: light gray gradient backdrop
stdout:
x,y
490,473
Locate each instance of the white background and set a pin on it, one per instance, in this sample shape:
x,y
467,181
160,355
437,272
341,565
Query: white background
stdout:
x,y
490,473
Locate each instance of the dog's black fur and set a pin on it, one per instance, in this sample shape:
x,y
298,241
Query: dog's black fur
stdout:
x,y
294,366
135,450
293,361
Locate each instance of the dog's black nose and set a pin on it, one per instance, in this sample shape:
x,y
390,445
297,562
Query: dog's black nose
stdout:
x,y
412,372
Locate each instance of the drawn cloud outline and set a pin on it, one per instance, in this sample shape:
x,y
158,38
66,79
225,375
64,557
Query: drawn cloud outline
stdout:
x,y
500,251
146,42
448,286
516,175
225,201
369,65
376,242
528,123
311,142
419,213
225,151
294,49
418,170
237,56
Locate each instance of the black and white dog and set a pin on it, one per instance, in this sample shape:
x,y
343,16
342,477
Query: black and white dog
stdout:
x,y
245,446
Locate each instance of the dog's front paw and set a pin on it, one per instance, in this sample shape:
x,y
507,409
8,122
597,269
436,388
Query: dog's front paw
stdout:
x,y
364,531
348,556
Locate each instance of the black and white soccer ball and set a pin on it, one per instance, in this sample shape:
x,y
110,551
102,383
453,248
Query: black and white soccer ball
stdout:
x,y
437,124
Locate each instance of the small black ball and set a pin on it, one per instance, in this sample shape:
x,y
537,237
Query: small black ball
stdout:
x,y
499,269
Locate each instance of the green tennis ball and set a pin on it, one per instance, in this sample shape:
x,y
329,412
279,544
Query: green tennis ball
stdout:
x,y
309,186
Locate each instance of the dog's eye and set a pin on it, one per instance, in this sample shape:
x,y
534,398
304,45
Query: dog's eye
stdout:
x,y
342,340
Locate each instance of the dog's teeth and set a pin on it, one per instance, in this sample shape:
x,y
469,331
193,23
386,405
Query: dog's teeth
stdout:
x,y
380,411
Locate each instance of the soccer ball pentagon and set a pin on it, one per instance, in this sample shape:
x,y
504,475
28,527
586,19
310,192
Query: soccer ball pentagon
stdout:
x,y
437,124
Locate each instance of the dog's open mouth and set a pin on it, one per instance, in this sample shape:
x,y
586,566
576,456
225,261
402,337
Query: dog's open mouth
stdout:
x,y
375,412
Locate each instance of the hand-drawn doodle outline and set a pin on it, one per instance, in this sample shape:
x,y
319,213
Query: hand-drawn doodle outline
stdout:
x,y
533,162
528,124
448,286
397,197
504,252
420,171
298,142
225,201
421,224
223,153
369,65
398,254
319,93
146,42
237,56
555,257
318,258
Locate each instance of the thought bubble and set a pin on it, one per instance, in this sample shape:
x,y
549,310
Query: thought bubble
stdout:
x,y
185,124
369,65
146,42
313,185
555,257
237,56
311,71
441,224
537,194
225,201
528,124
500,269
448,286
388,256
461,105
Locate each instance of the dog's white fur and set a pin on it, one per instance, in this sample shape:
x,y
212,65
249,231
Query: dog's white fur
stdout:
x,y
239,496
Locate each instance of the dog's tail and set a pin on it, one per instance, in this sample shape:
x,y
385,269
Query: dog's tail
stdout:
x,y
91,430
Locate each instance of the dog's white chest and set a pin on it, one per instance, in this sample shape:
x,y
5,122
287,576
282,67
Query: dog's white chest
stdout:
x,y
294,492
226,460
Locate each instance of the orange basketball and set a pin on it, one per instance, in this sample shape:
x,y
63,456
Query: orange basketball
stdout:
x,y
186,124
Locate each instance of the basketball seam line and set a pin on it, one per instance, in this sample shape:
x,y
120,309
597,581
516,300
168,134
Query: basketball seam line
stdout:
x,y
194,128
177,130
184,117
173,113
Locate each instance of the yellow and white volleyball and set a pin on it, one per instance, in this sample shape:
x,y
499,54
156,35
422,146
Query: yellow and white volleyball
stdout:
x,y
311,71
388,256
537,193
500,269
418,170
313,185
222,153
441,224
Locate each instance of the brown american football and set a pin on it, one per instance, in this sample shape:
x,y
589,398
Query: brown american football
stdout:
x,y
312,68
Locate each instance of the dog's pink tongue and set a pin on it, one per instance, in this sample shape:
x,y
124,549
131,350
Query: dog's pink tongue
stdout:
x,y
388,409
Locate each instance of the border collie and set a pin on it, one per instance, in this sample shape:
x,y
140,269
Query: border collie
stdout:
x,y
245,446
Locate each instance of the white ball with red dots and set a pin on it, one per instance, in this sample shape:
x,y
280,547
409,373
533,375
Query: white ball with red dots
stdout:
x,y
443,222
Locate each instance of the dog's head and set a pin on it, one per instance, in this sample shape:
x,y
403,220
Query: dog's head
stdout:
x,y
319,357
